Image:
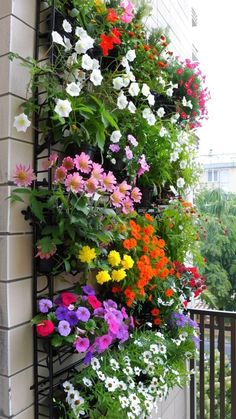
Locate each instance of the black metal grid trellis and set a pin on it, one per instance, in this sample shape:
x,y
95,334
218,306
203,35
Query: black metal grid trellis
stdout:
x,y
51,366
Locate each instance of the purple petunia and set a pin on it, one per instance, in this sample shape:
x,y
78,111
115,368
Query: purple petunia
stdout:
x,y
72,318
44,305
88,290
114,148
81,344
102,342
82,314
196,341
87,358
61,313
64,328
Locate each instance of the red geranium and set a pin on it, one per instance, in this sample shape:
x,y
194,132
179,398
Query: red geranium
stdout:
x,y
68,298
112,16
108,41
94,302
45,328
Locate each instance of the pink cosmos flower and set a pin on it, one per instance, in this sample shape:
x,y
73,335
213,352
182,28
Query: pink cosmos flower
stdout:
x,y
144,167
45,255
109,181
74,183
117,198
114,148
60,174
81,344
97,171
124,187
127,205
132,140
68,163
136,195
83,163
91,185
23,176
128,153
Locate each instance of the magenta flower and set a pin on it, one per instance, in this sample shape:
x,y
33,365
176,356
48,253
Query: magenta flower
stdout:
x,y
117,198
64,328
128,153
136,194
113,325
144,167
97,171
81,344
109,181
132,140
74,183
127,205
83,314
44,305
83,163
91,185
103,342
60,174
68,163
23,176
114,148
88,290
124,187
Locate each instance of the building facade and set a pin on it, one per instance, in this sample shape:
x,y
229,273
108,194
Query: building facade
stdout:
x,y
219,171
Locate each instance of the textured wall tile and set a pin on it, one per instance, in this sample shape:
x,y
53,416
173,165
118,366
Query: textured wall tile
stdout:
x,y
13,307
4,160
19,256
26,414
25,10
5,29
5,8
20,348
5,396
22,399
23,44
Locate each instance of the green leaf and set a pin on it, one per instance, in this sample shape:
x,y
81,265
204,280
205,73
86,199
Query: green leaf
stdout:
x,y
38,318
100,138
15,198
108,118
22,190
57,341
69,338
37,208
67,265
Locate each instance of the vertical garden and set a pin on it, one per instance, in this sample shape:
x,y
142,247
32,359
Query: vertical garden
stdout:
x,y
115,117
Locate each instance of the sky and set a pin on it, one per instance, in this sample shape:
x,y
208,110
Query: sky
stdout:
x,y
216,42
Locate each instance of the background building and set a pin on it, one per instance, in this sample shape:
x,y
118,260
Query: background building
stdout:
x,y
219,171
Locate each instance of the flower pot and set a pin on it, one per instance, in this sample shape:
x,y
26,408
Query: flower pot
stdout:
x,y
147,195
107,63
45,266
89,149
118,168
165,102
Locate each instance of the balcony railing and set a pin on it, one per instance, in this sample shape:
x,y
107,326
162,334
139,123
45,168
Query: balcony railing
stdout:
x,y
213,386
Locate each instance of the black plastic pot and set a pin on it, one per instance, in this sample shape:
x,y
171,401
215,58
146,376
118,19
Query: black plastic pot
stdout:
x,y
45,266
107,63
147,195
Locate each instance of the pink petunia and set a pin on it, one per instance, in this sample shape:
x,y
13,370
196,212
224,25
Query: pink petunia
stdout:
x,y
117,198
91,185
127,205
144,167
74,183
109,181
60,174
128,153
83,163
81,344
114,148
103,342
136,195
124,187
23,176
97,171
68,163
132,140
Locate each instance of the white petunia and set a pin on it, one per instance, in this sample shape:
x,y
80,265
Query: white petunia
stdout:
x,y
180,182
115,136
96,77
183,164
67,42
161,81
131,106
63,108
174,156
72,59
67,26
161,112
163,132
149,116
122,101
118,83
131,55
80,32
174,118
87,62
73,89
134,89
84,44
125,63
21,122
169,91
57,39
151,99
145,90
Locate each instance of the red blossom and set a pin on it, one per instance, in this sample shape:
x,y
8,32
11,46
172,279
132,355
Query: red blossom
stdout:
x,y
94,302
112,16
68,298
45,328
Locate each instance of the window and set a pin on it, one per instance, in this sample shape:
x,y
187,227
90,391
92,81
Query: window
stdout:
x,y
213,175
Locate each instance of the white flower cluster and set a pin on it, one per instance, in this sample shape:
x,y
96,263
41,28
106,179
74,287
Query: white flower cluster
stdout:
x,y
74,400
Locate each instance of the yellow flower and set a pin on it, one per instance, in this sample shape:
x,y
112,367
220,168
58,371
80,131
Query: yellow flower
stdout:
x,y
118,274
100,6
86,254
127,262
113,258
103,276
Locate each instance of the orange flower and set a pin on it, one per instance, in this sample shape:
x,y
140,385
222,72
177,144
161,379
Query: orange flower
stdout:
x,y
155,253
145,249
169,292
141,292
148,230
149,217
135,234
122,228
162,64
134,226
146,239
145,259
186,204
129,243
155,312
161,243
152,287
129,303
157,321
116,289
154,241
164,273
150,297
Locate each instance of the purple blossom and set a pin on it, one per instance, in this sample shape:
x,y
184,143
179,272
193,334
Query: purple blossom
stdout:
x,y
64,328
88,290
196,341
114,148
61,313
81,344
102,342
144,167
87,358
123,333
132,140
110,304
99,312
128,153
72,318
83,314
124,314
44,305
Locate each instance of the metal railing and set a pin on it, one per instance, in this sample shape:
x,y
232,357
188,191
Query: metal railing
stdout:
x,y
213,386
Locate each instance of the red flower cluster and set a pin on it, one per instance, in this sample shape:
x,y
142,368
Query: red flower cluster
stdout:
x,y
108,41
190,277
